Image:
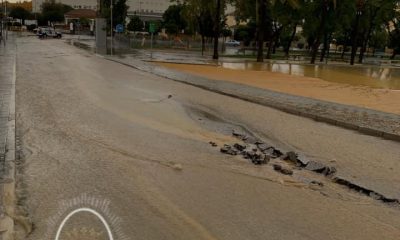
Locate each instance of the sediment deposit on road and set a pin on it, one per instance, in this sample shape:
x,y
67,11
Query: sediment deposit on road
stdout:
x,y
151,147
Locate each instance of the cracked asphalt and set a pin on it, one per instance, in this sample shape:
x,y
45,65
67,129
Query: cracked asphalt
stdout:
x,y
141,143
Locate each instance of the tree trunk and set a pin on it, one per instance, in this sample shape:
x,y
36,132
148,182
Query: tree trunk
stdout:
x,y
261,15
314,50
321,27
362,51
354,40
287,47
203,45
217,29
273,42
270,46
368,36
324,50
343,52
393,55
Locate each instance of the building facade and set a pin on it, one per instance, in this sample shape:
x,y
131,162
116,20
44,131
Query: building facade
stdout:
x,y
76,4
148,7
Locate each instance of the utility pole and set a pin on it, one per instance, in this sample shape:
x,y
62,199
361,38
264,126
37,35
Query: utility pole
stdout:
x,y
1,23
6,20
112,28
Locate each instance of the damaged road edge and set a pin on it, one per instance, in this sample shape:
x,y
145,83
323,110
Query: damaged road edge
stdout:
x,y
260,153
211,85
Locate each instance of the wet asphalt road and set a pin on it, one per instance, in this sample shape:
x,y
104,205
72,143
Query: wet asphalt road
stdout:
x,y
140,142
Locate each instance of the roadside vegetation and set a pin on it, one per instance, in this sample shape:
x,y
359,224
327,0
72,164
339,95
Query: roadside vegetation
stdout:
x,y
275,27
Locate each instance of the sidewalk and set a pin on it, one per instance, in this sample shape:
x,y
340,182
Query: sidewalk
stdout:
x,y
367,121
7,137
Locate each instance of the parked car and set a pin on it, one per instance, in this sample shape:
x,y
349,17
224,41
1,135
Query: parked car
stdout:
x,y
232,43
45,32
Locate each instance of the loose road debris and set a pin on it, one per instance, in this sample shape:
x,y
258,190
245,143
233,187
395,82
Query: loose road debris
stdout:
x,y
260,153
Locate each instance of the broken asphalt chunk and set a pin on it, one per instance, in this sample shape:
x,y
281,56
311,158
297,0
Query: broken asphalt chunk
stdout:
x,y
320,168
237,133
290,156
277,167
328,171
227,149
282,170
302,160
315,166
239,146
260,159
263,146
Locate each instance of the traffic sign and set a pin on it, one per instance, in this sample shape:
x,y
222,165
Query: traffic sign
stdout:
x,y
120,28
152,28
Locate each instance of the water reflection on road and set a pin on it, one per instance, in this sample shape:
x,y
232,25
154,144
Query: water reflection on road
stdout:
x,y
372,76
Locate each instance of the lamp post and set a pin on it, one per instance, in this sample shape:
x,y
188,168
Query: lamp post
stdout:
x,y
1,23
112,28
5,15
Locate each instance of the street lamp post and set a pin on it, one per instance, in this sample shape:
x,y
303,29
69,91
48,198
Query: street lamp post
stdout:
x,y
6,17
1,23
112,28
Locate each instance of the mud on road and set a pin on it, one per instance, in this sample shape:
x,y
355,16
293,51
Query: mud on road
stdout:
x,y
141,144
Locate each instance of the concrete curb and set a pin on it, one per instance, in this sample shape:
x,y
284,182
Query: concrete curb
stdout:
x,y
8,184
183,78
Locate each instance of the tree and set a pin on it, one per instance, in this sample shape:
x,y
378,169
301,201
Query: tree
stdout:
x,y
245,33
135,24
317,18
120,11
289,16
217,27
285,17
255,12
394,36
200,18
208,18
173,19
20,13
261,21
375,15
260,11
53,11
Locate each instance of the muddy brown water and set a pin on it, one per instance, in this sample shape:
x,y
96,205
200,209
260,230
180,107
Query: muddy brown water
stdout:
x,y
372,76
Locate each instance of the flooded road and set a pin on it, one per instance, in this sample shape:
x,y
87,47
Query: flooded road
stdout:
x,y
278,79
373,76
135,147
370,76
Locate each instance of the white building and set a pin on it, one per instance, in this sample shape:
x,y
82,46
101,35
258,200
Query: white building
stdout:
x,y
76,4
148,6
